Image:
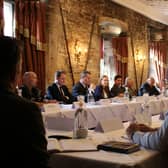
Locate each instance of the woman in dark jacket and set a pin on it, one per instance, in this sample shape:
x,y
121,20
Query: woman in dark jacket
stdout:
x,y
102,90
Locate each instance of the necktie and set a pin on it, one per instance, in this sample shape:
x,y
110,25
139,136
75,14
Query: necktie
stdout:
x,y
61,91
64,98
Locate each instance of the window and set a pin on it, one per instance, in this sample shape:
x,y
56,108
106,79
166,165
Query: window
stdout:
x,y
158,60
152,66
9,27
107,63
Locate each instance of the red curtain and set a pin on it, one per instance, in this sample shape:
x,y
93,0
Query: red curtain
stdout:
x,y
30,27
158,50
1,17
120,52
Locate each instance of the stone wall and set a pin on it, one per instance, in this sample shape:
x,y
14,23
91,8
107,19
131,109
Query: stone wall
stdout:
x,y
80,16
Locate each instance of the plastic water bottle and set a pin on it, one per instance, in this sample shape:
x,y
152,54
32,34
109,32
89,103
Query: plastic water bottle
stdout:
x,y
162,91
90,97
166,88
126,93
80,122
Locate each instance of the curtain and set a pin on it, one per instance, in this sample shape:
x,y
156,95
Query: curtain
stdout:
x,y
1,18
158,52
120,53
30,28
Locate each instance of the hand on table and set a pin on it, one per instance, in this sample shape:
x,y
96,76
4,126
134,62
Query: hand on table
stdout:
x,y
133,127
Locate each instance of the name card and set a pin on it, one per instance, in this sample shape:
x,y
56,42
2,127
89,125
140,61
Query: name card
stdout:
x,y
143,118
109,125
120,100
60,123
52,107
104,101
140,99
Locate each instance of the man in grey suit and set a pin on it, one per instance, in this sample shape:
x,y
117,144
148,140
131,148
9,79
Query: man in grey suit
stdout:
x,y
81,87
152,138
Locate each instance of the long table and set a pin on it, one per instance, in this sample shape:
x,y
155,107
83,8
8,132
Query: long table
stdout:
x,y
101,159
62,119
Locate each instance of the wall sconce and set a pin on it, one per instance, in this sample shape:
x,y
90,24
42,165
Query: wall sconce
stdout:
x,y
79,51
138,56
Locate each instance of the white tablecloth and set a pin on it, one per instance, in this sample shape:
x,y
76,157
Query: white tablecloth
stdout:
x,y
102,159
63,118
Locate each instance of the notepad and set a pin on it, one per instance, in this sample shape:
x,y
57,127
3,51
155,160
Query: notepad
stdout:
x,y
121,147
71,145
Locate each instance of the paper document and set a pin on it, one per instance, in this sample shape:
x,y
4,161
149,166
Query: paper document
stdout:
x,y
71,145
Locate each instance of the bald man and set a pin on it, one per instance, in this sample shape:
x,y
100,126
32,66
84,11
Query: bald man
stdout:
x,y
29,87
149,87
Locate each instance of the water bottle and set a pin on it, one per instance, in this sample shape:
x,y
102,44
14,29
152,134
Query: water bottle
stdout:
x,y
166,92
126,93
163,111
166,88
90,97
162,93
80,122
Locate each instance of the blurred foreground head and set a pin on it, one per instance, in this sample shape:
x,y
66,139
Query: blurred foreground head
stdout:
x,y
10,64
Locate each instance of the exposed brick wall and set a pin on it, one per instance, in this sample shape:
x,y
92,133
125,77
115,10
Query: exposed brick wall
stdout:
x,y
78,17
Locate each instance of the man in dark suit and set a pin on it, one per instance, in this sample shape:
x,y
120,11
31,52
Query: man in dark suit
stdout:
x,y
81,87
149,87
23,142
58,90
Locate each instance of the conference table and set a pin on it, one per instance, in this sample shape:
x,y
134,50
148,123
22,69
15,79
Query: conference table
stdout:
x,y
62,117
143,158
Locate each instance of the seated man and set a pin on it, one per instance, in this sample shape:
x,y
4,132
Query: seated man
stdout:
x,y
24,143
81,88
152,138
58,90
149,87
117,89
29,87
129,84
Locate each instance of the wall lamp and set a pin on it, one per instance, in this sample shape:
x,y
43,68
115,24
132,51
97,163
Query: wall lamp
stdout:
x,y
139,57
79,51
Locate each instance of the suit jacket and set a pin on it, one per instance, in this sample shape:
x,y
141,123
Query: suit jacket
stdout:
x,y
115,90
79,89
156,140
23,142
53,92
146,88
34,94
98,94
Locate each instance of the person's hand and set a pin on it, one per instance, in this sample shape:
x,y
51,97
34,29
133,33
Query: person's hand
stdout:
x,y
50,101
133,127
121,95
39,104
145,128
